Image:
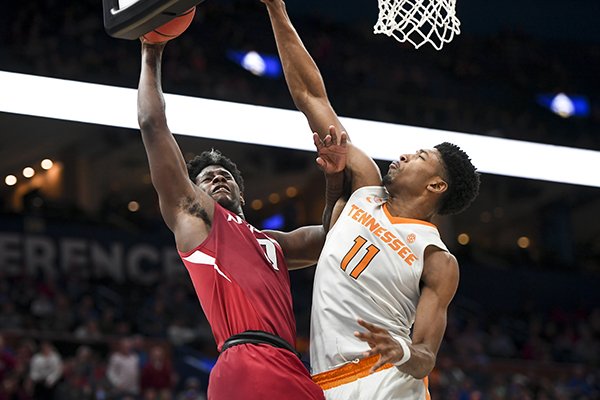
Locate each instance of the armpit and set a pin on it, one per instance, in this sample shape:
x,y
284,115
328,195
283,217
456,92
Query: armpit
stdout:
x,y
193,207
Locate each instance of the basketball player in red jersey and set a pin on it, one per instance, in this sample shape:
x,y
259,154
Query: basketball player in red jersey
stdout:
x,y
239,273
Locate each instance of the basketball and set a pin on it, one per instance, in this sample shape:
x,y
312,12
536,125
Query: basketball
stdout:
x,y
171,29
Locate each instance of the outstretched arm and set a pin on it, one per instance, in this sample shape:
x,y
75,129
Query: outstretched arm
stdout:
x,y
440,281
308,92
167,166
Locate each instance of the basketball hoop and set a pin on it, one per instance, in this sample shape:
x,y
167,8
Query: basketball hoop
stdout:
x,y
418,21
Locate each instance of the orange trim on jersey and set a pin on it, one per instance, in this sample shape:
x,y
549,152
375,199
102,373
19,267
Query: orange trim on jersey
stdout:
x,y
401,220
426,383
348,373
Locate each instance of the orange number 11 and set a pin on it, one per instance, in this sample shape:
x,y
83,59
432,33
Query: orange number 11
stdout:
x,y
372,251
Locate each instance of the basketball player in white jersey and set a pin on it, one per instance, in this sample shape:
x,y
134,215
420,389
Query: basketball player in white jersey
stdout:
x,y
384,271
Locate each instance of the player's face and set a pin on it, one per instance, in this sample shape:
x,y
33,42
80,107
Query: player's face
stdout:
x,y
414,172
220,185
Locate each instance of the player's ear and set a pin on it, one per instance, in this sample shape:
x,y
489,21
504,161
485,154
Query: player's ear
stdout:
x,y
242,201
437,185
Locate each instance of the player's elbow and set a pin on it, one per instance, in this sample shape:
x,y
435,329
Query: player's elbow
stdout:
x,y
422,373
150,124
301,99
306,101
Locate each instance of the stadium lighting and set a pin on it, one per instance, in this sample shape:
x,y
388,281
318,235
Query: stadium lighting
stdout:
x,y
463,239
10,180
523,242
256,204
28,172
116,106
133,206
47,164
266,65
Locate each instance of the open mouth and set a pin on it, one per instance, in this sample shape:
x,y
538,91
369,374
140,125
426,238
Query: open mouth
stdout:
x,y
221,189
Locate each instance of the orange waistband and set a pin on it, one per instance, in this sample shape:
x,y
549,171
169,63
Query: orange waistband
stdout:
x,y
347,373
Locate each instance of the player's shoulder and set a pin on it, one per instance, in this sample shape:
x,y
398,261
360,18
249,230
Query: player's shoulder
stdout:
x,y
441,273
372,194
438,261
275,236
440,254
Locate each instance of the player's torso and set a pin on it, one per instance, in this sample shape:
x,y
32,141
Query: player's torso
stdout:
x,y
241,279
370,268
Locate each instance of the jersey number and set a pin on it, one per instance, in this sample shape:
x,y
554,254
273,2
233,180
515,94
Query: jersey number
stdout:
x,y
366,259
270,252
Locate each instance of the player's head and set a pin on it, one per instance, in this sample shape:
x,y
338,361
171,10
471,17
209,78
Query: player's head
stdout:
x,y
463,179
218,176
443,176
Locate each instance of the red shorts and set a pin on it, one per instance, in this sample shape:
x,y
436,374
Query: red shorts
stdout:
x,y
261,372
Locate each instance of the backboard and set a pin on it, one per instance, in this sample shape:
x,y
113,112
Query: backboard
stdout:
x,y
130,19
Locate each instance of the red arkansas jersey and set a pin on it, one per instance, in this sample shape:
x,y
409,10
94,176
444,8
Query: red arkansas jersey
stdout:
x,y
241,279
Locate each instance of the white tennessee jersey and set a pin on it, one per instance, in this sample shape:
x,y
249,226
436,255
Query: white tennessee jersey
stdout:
x,y
370,268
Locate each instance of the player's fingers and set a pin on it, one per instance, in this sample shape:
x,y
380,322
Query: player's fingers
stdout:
x,y
377,365
369,326
369,353
334,136
361,336
375,338
332,130
343,138
380,361
317,140
321,163
364,336
327,140
368,339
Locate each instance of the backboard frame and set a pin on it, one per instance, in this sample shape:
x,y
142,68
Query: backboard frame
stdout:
x,y
141,16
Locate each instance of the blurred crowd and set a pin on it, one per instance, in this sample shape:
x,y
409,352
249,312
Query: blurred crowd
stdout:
x,y
32,370
75,338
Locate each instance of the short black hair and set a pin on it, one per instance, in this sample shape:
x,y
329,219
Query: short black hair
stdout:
x,y
214,157
463,185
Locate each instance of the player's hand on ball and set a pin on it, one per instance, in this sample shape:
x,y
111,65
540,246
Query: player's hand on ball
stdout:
x,y
332,151
381,342
145,42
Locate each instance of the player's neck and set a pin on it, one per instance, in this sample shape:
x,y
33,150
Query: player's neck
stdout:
x,y
413,208
237,210
239,213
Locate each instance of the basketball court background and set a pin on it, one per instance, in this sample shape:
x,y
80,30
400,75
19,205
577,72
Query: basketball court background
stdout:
x,y
525,319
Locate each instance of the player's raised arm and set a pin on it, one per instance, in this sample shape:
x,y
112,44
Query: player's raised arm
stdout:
x,y
167,166
307,88
301,72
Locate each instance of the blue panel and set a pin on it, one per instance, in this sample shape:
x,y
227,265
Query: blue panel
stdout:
x,y
276,221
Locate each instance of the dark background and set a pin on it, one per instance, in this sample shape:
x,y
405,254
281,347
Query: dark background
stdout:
x,y
525,322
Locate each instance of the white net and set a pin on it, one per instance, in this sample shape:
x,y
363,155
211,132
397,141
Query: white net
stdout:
x,y
419,21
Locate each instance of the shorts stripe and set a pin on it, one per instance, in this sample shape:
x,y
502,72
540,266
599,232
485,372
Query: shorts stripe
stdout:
x,y
348,373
